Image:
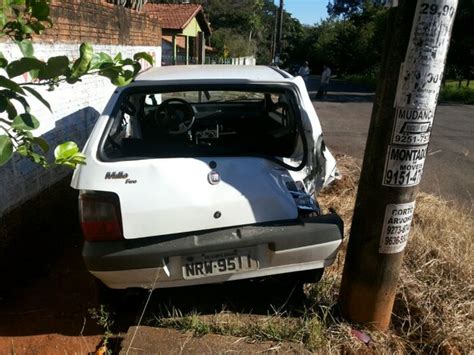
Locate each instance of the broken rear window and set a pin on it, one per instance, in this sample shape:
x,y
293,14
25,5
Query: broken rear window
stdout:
x,y
199,123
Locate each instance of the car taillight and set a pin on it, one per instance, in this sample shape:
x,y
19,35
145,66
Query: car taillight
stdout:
x,y
99,213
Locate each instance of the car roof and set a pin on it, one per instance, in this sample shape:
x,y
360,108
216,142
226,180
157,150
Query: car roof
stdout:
x,y
214,72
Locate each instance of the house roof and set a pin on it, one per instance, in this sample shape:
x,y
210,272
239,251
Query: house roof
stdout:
x,y
178,16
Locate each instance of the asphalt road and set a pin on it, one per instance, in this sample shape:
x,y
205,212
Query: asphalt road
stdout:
x,y
449,168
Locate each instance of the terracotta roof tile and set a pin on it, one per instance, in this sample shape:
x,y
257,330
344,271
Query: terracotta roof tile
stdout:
x,y
173,16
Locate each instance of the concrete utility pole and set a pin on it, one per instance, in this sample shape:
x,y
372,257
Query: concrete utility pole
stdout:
x,y
276,59
402,118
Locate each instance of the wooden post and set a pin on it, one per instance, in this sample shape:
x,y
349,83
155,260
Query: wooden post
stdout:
x,y
186,49
402,117
203,47
277,58
175,59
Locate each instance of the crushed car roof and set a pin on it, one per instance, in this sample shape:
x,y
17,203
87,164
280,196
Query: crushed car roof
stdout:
x,y
214,72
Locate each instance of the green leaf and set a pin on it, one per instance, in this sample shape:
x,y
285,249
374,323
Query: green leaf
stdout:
x,y
136,68
38,97
3,103
110,72
26,47
25,121
27,29
117,76
22,150
68,154
3,61
37,158
55,67
24,65
42,143
10,85
11,110
37,27
145,56
3,19
21,100
127,61
16,2
65,150
27,135
107,65
123,79
40,10
81,65
100,59
6,149
118,57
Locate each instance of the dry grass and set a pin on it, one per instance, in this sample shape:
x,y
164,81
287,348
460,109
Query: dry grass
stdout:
x,y
433,310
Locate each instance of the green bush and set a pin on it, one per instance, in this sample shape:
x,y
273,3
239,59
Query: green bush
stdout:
x,y
462,94
367,80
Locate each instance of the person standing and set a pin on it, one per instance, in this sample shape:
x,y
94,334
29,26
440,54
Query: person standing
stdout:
x,y
325,76
304,71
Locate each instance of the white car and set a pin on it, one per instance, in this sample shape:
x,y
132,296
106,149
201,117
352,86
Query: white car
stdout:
x,y
205,174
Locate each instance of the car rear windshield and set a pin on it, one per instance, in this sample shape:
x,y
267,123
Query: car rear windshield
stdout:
x,y
189,122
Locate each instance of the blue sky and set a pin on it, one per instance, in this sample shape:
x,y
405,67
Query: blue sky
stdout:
x,y
308,12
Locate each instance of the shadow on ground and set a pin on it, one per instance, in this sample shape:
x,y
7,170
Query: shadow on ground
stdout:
x,y
340,91
46,289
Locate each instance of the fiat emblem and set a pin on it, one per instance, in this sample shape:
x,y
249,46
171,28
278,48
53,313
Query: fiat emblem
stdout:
x,y
213,177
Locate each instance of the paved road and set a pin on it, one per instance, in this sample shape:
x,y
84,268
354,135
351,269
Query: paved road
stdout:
x,y
449,168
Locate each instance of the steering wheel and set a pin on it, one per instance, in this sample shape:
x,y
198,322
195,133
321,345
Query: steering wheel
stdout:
x,y
175,115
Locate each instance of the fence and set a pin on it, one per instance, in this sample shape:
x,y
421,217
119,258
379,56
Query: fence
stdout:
x,y
233,61
181,59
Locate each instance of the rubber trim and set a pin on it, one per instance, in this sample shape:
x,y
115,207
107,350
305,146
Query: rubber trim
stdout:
x,y
283,73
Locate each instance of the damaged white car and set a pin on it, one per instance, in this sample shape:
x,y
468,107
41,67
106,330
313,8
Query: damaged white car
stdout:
x,y
206,174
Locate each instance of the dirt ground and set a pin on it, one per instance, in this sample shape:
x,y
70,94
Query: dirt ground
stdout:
x,y
46,311
175,342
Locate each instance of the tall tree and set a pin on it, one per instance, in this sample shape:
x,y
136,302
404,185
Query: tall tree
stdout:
x,y
461,51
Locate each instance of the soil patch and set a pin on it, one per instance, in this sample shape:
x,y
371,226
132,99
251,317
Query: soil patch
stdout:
x,y
149,340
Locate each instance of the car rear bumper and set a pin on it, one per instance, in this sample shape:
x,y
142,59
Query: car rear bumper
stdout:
x,y
157,262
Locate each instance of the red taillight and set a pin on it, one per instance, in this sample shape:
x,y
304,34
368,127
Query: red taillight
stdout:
x,y
99,213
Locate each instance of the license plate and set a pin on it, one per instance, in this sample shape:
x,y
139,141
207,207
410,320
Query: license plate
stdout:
x,y
228,262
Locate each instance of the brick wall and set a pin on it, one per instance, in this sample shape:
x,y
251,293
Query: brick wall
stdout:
x,y
99,22
111,29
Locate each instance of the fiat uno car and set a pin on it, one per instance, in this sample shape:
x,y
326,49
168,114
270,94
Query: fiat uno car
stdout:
x,y
206,174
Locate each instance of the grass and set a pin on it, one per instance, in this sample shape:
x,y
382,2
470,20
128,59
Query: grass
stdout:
x,y
369,81
433,311
455,83
450,92
434,305
104,319
463,94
